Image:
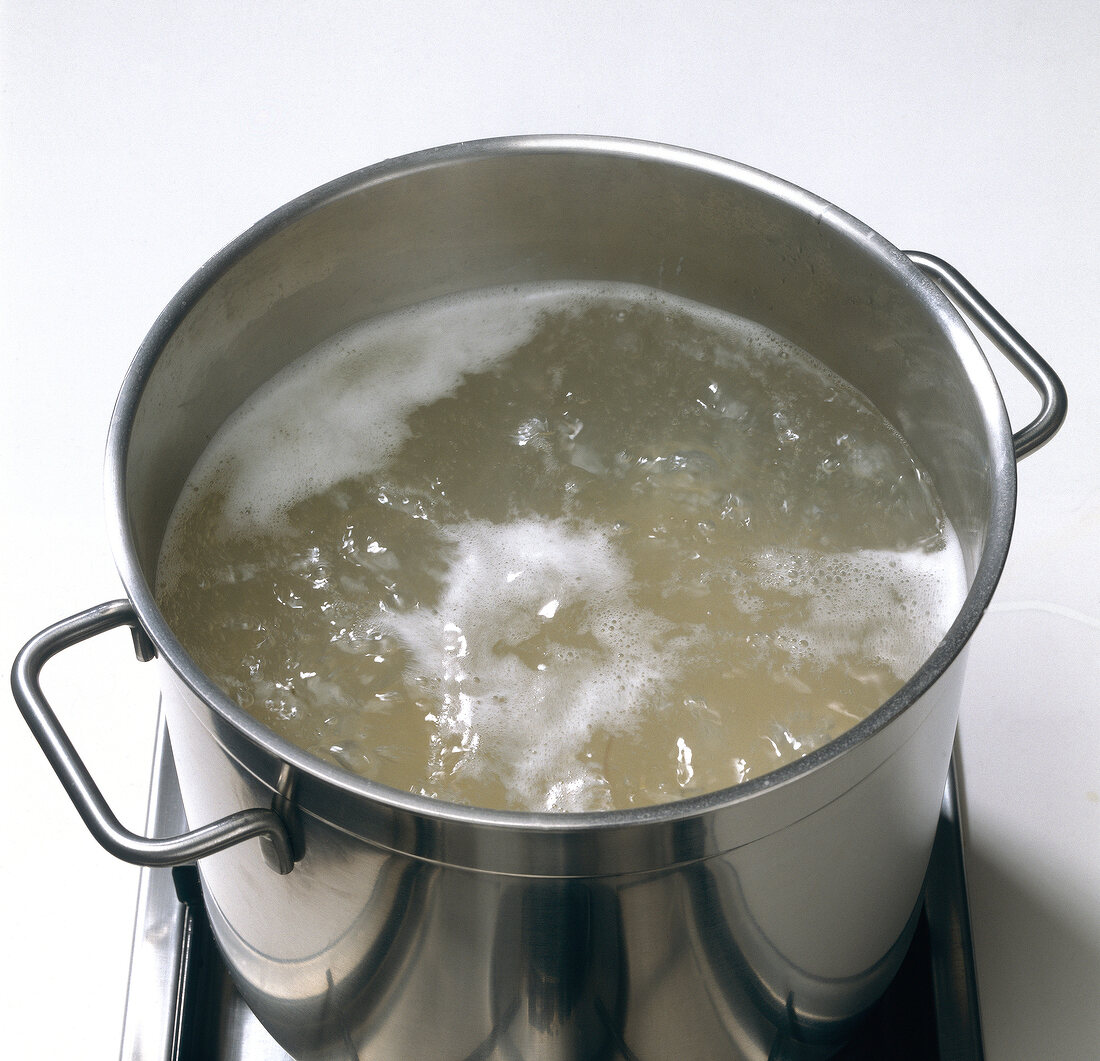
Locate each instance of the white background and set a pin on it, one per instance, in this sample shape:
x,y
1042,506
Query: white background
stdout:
x,y
139,138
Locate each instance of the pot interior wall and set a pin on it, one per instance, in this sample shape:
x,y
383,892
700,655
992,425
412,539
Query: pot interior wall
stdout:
x,y
395,235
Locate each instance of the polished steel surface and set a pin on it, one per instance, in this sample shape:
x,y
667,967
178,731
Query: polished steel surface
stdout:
x,y
765,917
182,1006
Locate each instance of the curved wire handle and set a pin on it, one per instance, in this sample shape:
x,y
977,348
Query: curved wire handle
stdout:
x,y
1009,341
78,783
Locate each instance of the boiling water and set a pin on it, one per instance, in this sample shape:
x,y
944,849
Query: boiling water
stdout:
x,y
565,548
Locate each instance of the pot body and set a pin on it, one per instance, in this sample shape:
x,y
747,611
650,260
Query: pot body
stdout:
x,y
752,923
771,949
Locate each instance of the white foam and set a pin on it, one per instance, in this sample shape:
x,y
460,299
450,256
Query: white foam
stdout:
x,y
505,681
341,411
893,606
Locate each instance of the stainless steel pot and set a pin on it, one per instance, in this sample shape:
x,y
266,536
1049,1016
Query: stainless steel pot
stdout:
x,y
360,922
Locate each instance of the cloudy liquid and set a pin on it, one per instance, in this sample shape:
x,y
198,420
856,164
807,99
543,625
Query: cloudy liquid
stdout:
x,y
565,548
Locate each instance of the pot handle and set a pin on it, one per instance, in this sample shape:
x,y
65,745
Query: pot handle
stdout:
x,y
1020,352
82,790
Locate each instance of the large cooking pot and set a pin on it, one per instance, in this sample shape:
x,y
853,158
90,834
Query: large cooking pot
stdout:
x,y
361,922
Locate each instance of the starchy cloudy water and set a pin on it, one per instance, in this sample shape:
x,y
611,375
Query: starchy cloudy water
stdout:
x,y
574,547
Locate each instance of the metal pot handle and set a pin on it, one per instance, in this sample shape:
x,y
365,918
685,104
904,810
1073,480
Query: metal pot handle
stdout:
x,y
1034,369
82,790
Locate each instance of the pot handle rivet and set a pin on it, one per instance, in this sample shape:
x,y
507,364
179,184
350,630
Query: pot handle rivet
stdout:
x,y
1009,341
78,783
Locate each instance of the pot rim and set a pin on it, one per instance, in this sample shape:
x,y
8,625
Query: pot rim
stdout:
x,y
980,375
